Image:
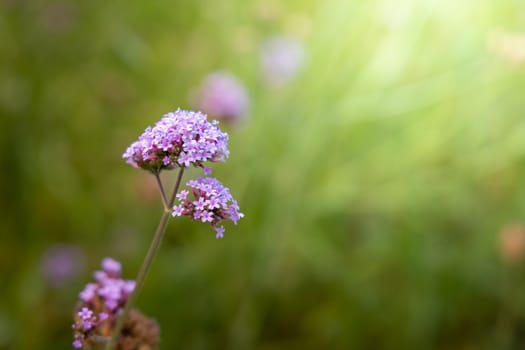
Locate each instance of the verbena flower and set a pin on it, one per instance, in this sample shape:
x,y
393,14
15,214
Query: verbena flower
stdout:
x,y
209,202
222,96
62,263
180,139
282,57
100,304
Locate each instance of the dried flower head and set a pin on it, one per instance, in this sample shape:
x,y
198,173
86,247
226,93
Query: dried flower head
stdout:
x,y
180,139
210,202
139,333
100,304
222,96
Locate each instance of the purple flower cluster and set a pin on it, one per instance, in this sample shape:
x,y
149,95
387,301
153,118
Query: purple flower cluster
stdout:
x,y
85,322
100,303
180,139
222,96
211,202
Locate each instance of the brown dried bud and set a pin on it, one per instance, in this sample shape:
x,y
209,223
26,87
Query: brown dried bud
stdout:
x,y
139,333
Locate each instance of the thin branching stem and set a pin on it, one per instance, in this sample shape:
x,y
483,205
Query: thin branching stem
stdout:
x,y
162,192
144,269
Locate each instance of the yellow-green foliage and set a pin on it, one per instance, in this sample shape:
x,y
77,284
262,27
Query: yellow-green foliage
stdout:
x,y
375,184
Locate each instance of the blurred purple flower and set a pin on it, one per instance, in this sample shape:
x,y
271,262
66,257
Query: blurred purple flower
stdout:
x,y
111,267
212,203
101,303
222,96
62,263
282,57
180,139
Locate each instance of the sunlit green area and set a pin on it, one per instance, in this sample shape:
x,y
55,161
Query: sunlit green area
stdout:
x,y
383,186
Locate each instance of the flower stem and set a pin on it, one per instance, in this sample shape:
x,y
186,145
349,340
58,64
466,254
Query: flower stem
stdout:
x,y
162,192
146,264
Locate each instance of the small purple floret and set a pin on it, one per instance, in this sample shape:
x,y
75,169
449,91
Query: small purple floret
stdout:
x,y
111,266
128,287
85,313
219,232
89,292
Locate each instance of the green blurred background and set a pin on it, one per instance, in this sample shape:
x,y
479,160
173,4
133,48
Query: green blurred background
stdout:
x,y
382,185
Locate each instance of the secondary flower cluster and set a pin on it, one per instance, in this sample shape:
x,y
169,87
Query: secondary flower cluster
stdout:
x,y
211,202
100,304
180,139
184,138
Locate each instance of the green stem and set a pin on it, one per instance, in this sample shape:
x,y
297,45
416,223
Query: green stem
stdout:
x,y
144,269
162,192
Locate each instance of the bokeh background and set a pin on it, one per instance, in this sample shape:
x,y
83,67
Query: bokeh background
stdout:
x,y
380,166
